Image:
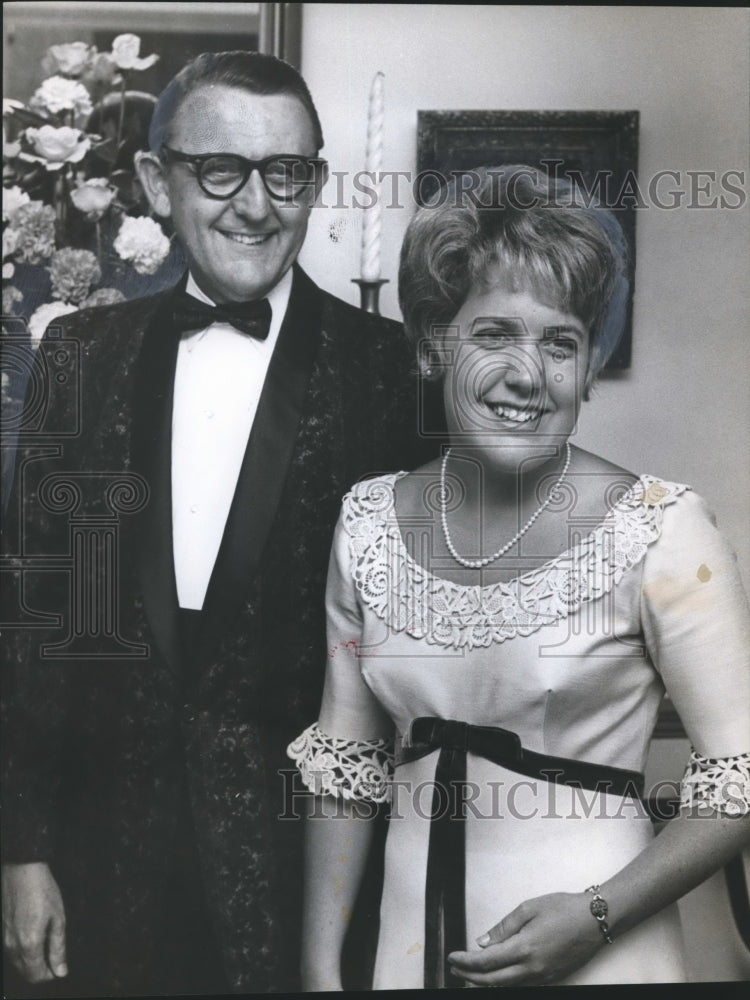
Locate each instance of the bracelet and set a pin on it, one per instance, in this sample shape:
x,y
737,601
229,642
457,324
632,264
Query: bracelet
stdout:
x,y
599,911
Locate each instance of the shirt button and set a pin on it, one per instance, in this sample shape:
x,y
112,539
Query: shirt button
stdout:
x,y
209,414
193,508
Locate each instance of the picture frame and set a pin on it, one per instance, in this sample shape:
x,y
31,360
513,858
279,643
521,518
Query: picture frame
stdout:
x,y
596,149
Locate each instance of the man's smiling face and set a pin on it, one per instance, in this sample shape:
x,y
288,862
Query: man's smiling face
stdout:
x,y
237,249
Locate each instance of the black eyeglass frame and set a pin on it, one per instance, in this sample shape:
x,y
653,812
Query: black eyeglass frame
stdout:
x,y
197,160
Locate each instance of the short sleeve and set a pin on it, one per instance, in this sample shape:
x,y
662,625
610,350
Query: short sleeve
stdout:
x,y
349,751
721,783
349,709
696,624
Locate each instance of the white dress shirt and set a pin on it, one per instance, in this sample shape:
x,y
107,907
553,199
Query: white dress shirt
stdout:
x,y
218,381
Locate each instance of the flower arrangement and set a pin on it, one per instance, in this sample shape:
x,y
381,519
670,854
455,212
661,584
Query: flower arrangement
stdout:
x,y
76,225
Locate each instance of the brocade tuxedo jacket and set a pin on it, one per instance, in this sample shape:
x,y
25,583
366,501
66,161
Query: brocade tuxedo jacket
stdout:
x,y
106,706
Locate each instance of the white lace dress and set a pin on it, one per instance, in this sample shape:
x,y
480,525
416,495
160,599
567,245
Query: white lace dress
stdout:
x,y
574,657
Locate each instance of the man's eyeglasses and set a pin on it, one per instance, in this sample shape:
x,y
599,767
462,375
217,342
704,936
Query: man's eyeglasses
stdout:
x,y
222,175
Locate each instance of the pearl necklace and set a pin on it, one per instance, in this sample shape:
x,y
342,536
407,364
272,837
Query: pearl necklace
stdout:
x,y
479,563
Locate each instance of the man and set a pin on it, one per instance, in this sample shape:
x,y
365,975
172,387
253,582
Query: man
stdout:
x,y
144,735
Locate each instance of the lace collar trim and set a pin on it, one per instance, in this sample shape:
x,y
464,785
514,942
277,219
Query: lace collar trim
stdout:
x,y
410,599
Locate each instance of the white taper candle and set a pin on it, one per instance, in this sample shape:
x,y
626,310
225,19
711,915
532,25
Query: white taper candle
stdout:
x,y
370,257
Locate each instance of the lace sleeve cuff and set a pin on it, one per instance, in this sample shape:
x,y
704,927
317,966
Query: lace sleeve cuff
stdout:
x,y
723,783
349,769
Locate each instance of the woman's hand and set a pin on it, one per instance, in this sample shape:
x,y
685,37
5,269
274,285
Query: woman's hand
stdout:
x,y
541,941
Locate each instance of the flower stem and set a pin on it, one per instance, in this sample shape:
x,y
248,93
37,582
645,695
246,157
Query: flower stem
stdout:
x,y
61,206
120,123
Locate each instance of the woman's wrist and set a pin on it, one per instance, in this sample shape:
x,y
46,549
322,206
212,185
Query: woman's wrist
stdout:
x,y
599,909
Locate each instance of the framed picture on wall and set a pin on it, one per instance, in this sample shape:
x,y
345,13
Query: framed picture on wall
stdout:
x,y
597,150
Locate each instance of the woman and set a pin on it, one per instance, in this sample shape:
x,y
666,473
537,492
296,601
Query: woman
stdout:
x,y
511,615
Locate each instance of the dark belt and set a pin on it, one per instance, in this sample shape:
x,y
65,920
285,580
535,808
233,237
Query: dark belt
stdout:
x,y
445,903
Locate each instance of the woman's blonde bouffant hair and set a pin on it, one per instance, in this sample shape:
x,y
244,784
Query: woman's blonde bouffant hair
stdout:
x,y
515,224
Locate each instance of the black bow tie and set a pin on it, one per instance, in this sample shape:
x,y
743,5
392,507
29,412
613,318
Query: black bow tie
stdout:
x,y
253,318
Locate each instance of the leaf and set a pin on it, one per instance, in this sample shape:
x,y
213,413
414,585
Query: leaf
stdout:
x,y
106,150
128,187
28,117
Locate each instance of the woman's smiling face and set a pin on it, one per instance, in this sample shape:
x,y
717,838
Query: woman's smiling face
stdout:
x,y
515,378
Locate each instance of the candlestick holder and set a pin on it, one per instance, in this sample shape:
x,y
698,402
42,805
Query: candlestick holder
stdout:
x,y
370,293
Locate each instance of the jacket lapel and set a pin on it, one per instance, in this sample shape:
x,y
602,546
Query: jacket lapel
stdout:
x,y
269,452
152,459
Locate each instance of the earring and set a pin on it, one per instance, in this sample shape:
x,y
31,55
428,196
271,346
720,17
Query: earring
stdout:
x,y
427,372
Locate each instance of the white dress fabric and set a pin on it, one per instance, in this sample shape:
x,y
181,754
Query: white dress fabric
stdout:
x,y
574,657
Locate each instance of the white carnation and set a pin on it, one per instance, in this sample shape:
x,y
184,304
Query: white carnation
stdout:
x,y
142,242
58,94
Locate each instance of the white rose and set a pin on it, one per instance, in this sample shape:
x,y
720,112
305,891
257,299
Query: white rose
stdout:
x,y
13,198
10,239
125,50
102,72
72,58
93,197
55,146
142,242
58,94
44,315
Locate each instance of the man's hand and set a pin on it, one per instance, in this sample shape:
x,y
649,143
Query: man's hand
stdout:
x,y
541,941
34,922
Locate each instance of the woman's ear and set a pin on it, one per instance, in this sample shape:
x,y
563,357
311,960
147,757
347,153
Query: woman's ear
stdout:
x,y
434,358
153,179
429,361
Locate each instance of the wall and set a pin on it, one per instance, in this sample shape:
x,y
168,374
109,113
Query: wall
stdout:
x,y
683,409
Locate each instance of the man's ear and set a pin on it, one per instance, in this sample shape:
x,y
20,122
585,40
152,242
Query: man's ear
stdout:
x,y
321,176
151,174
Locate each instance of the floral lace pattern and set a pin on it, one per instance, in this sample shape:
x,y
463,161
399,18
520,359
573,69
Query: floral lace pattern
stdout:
x,y
410,599
723,783
349,769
